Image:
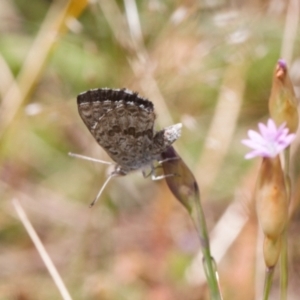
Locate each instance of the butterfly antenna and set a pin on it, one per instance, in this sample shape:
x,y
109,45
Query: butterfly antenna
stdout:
x,y
90,158
102,188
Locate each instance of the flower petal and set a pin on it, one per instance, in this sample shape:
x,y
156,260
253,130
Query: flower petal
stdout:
x,y
269,142
263,129
272,126
256,137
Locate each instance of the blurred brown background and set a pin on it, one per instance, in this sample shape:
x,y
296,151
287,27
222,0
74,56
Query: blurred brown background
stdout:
x,y
207,64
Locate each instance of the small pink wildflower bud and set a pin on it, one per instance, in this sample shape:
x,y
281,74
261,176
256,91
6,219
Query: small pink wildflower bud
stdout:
x,y
283,102
271,251
270,141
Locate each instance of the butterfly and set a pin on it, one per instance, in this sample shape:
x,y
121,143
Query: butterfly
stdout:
x,y
122,123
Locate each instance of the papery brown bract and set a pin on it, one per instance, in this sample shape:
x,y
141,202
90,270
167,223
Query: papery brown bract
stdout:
x,y
283,102
272,206
271,251
182,182
271,197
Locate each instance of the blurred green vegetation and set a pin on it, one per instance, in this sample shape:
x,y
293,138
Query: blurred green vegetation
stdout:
x,y
137,242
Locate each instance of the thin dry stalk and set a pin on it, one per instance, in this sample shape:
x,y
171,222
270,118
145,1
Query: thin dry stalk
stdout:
x,y
222,127
138,57
53,25
290,30
42,251
6,76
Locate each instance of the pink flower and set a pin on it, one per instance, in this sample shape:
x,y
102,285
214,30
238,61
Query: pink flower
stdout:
x,y
270,141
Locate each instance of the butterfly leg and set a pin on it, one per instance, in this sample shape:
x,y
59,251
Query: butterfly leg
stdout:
x,y
160,177
152,172
168,159
155,177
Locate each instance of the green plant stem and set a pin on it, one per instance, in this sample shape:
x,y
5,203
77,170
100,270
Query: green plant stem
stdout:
x,y
284,247
208,261
284,267
186,190
268,282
